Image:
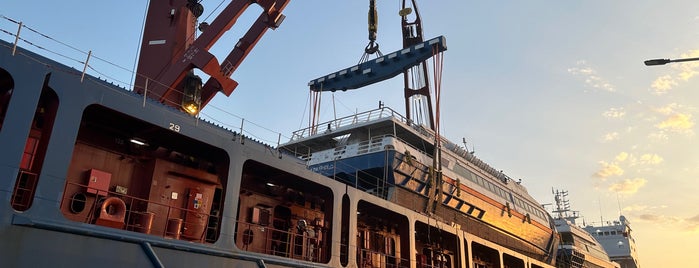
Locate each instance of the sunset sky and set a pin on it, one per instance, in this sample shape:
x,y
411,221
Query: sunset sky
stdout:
x,y
551,92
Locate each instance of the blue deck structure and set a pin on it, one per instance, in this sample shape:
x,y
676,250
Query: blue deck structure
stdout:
x,y
379,69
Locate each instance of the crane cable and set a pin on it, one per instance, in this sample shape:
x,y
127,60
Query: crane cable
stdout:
x,y
373,26
437,66
315,112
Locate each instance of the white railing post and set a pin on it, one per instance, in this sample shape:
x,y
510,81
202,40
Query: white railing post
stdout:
x,y
19,29
242,121
89,53
145,92
279,139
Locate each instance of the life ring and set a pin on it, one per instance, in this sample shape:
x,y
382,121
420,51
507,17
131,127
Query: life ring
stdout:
x,y
113,209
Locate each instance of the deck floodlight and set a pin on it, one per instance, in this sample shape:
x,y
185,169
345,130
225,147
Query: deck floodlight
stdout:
x,y
191,99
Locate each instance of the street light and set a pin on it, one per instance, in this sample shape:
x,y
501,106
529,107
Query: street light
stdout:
x,y
654,62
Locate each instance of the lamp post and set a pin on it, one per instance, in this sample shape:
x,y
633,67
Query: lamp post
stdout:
x,y
655,62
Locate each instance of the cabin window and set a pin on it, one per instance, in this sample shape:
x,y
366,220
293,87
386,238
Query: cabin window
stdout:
x,y
299,214
35,150
512,261
463,172
129,174
491,187
566,238
7,84
481,182
435,247
484,256
382,237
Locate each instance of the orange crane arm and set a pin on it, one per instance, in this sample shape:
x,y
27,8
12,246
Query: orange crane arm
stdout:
x,y
169,52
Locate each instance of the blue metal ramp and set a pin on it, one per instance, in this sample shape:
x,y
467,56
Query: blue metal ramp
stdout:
x,y
379,69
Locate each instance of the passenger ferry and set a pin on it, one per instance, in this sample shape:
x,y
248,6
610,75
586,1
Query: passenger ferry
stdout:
x,y
379,152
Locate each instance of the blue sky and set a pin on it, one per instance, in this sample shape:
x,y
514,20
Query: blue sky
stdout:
x,y
552,92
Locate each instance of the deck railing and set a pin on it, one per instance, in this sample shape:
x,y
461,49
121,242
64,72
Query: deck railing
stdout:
x,y
25,187
140,215
290,243
359,118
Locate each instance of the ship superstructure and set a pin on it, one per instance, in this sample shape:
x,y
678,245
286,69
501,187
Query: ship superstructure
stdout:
x,y
617,239
578,248
382,153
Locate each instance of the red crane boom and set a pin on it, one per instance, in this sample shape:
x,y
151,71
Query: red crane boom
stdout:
x,y
170,52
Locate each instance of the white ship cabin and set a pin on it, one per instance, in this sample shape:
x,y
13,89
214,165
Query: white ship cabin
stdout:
x,y
617,240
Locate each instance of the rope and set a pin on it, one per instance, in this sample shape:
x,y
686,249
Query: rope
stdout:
x,y
52,39
437,68
315,111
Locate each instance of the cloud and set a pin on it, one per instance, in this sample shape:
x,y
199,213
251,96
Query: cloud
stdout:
x,y
660,219
663,84
608,169
687,70
683,71
649,217
677,119
690,225
658,136
621,156
637,207
627,186
693,224
678,122
633,160
614,113
669,109
581,71
650,159
590,76
611,136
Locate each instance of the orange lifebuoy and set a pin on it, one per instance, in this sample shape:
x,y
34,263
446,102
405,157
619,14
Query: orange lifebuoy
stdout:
x,y
113,209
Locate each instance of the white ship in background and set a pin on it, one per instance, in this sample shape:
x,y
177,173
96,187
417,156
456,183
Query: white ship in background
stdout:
x,y
617,240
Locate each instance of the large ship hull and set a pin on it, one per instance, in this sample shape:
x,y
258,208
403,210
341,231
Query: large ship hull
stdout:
x,y
386,174
95,175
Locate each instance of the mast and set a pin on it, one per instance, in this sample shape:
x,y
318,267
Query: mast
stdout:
x,y
415,79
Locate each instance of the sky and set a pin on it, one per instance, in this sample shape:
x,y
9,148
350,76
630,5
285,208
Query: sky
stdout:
x,y
551,92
